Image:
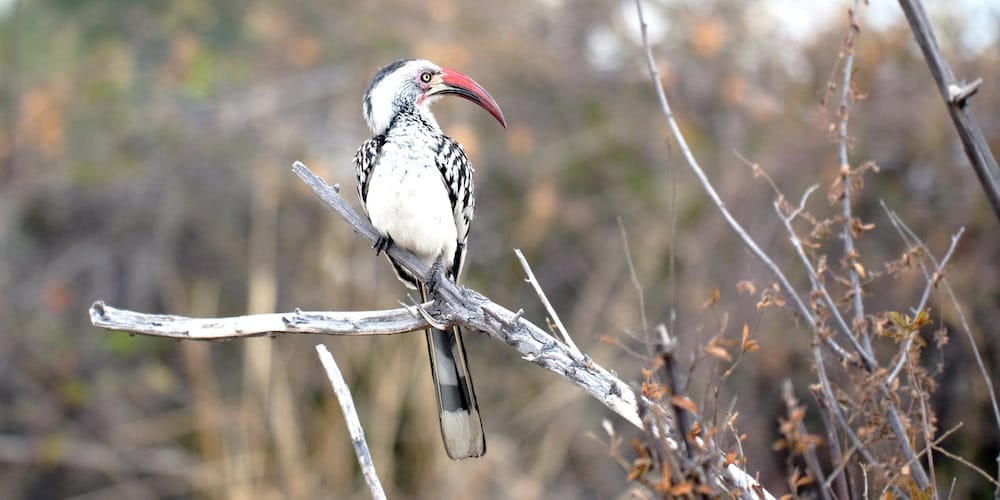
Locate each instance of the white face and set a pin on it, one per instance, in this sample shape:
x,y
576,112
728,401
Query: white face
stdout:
x,y
399,88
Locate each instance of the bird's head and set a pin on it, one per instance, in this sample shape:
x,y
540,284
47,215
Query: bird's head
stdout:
x,y
413,84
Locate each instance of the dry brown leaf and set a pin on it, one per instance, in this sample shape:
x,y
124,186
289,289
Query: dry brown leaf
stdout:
x,y
682,489
858,268
805,480
746,287
718,353
712,298
685,403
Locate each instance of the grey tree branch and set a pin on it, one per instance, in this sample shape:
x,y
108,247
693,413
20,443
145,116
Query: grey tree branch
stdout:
x,y
354,428
328,323
956,96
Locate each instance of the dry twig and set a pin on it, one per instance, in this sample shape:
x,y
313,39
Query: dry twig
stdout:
x,y
545,302
357,432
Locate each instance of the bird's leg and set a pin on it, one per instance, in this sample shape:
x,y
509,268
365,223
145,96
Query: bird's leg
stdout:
x,y
382,244
436,275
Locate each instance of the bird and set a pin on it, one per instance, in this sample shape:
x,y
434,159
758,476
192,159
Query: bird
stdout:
x,y
416,186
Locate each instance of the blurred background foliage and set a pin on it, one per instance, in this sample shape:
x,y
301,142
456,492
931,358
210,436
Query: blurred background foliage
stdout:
x,y
144,160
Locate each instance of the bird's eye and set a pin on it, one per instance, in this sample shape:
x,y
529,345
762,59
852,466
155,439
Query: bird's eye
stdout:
x,y
425,77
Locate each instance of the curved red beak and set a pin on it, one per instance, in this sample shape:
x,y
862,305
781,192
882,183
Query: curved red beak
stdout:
x,y
453,82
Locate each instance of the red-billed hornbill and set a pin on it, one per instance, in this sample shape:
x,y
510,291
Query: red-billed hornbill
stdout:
x,y
416,185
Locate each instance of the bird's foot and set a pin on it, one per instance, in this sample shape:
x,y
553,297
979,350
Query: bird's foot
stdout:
x,y
436,275
382,244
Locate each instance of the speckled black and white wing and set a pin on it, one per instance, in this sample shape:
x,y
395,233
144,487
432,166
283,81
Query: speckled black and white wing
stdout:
x,y
457,173
364,162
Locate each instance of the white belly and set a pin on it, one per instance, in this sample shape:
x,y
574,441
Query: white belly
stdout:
x,y
411,205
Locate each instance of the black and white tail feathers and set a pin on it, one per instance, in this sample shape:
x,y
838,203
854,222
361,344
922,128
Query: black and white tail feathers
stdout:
x,y
458,410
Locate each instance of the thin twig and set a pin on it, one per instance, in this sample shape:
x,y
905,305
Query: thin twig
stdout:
x,y
850,254
940,439
545,302
838,476
931,280
748,241
802,202
842,463
634,276
959,459
926,427
357,432
827,397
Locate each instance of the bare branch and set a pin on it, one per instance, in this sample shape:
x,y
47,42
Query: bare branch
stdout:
x,y
634,277
802,203
956,97
922,396
545,302
968,464
354,323
354,428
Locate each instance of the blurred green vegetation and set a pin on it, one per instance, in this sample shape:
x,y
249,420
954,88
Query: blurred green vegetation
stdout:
x,y
145,150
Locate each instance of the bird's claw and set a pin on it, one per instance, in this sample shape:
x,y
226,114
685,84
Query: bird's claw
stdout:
x,y
436,275
382,244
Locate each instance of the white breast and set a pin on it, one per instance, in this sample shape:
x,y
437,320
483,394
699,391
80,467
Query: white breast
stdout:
x,y
407,201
